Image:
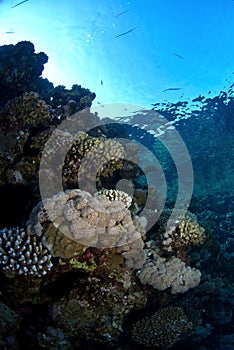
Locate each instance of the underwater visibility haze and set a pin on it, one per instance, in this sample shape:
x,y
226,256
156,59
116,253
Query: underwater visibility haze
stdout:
x,y
116,174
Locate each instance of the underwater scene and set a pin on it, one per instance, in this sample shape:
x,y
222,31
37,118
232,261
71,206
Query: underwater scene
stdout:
x,y
116,175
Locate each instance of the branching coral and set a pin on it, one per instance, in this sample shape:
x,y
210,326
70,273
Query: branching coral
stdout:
x,y
180,235
116,195
162,329
21,254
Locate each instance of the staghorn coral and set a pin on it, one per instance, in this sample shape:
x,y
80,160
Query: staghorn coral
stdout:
x,y
87,220
163,329
116,195
21,254
162,273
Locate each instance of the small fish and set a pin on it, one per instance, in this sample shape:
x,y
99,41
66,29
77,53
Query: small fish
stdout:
x,y
11,32
129,31
101,82
172,89
19,3
175,54
121,13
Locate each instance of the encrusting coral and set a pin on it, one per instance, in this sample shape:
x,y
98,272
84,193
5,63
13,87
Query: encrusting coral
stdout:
x,y
163,329
21,254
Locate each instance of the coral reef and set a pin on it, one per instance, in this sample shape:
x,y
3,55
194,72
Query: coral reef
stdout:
x,y
180,234
102,156
162,273
58,243
186,233
24,112
116,195
66,102
30,109
23,255
163,329
10,324
20,70
96,307
107,270
88,220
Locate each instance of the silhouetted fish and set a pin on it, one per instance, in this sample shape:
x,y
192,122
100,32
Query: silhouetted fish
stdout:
x,y
172,89
19,4
175,54
129,31
121,13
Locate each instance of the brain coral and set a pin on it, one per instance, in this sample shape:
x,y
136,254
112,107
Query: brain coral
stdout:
x,y
162,329
162,273
87,220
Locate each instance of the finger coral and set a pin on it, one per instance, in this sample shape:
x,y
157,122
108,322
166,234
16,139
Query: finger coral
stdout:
x,y
21,254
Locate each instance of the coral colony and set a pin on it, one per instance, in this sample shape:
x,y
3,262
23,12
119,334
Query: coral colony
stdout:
x,y
23,254
81,263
